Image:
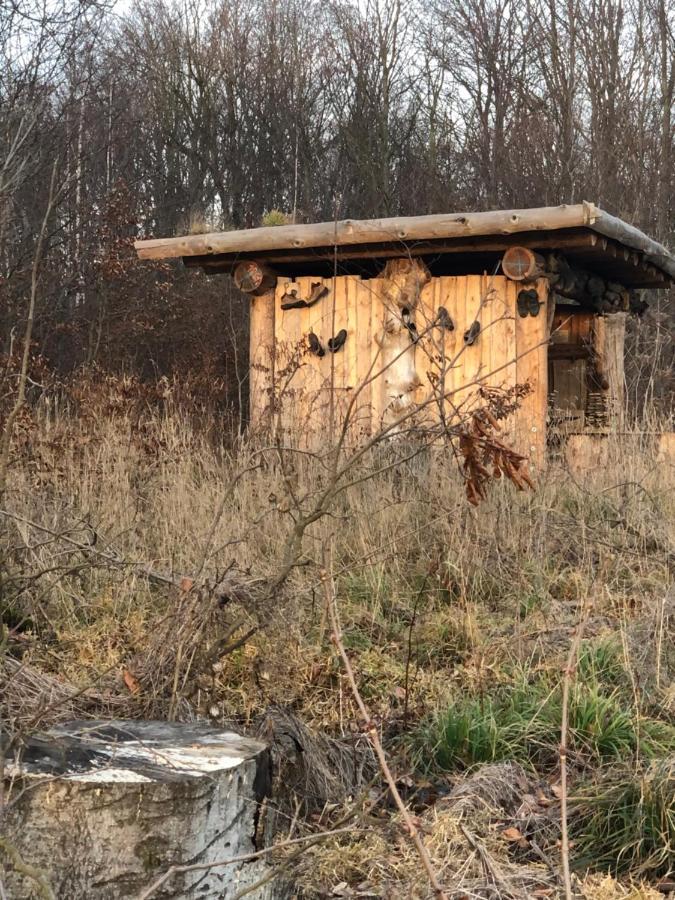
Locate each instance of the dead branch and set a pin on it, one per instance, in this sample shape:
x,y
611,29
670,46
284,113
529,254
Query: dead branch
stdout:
x,y
568,674
374,737
244,857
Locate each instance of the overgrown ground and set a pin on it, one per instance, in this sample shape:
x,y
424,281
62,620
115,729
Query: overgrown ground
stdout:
x,y
120,520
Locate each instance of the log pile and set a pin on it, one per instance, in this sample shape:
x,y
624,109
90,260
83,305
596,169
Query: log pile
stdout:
x,y
590,290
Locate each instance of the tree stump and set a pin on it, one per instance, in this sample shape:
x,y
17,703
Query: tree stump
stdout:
x,y
102,809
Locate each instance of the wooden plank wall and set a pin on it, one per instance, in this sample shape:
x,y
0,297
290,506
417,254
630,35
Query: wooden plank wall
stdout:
x,y
314,393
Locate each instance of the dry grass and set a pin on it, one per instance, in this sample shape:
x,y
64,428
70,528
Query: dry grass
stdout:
x,y
435,596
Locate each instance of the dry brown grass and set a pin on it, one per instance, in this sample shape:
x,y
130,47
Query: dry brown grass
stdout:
x,y
454,596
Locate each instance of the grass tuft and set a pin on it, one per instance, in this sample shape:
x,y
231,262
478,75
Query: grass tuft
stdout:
x,y
626,822
520,720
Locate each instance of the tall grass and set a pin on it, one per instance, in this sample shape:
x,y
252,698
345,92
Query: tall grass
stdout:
x,y
462,617
506,579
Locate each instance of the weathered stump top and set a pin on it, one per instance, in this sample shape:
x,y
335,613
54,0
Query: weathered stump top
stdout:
x,y
98,810
131,751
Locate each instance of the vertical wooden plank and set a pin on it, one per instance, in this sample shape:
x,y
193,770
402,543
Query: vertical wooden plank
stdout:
x,y
261,360
365,346
321,319
452,298
509,375
609,335
378,316
337,315
302,379
471,356
502,329
428,347
350,348
290,360
490,330
315,366
532,366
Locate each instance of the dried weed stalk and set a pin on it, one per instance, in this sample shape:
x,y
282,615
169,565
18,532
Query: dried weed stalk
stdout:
x,y
373,734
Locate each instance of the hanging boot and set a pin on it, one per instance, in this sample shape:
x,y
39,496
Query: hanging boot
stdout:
x,y
315,345
443,319
338,341
471,335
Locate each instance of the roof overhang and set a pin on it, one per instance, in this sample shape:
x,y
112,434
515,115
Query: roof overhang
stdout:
x,y
462,241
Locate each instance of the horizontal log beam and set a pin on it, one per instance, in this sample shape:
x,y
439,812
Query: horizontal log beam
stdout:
x,y
402,229
225,262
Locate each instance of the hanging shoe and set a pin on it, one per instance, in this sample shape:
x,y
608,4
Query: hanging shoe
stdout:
x,y
443,319
534,305
293,304
315,345
471,335
318,291
290,299
338,341
523,304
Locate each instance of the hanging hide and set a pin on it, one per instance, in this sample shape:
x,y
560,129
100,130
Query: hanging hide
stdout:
x,y
403,281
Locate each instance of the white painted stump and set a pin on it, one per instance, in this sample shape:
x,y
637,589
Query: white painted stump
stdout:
x,y
104,808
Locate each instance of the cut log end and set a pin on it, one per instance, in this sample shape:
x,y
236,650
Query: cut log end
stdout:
x,y
521,264
253,277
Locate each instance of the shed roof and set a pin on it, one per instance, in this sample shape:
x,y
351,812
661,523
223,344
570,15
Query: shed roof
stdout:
x,y
459,242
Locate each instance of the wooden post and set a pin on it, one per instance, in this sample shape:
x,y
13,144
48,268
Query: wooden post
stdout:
x,y
609,335
262,360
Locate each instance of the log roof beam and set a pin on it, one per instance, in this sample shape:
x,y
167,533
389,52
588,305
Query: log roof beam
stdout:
x,y
582,226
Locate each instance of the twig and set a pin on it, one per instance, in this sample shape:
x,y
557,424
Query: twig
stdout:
x,y
371,731
291,858
569,671
36,875
406,682
489,865
244,857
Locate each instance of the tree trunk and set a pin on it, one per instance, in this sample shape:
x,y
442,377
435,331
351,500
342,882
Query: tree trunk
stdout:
x,y
101,810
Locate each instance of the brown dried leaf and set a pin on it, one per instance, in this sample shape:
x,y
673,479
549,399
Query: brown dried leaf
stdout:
x,y
515,835
132,683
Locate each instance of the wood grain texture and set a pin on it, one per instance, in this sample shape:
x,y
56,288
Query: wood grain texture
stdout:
x,y
262,359
532,367
508,349
351,231
609,335
365,355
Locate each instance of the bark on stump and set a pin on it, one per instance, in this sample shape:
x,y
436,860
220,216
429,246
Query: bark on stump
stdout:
x,y
105,808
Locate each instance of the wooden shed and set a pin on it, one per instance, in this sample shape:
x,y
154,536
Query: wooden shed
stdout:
x,y
391,320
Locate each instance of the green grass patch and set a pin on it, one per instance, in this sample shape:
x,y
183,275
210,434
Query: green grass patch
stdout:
x,y
521,720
